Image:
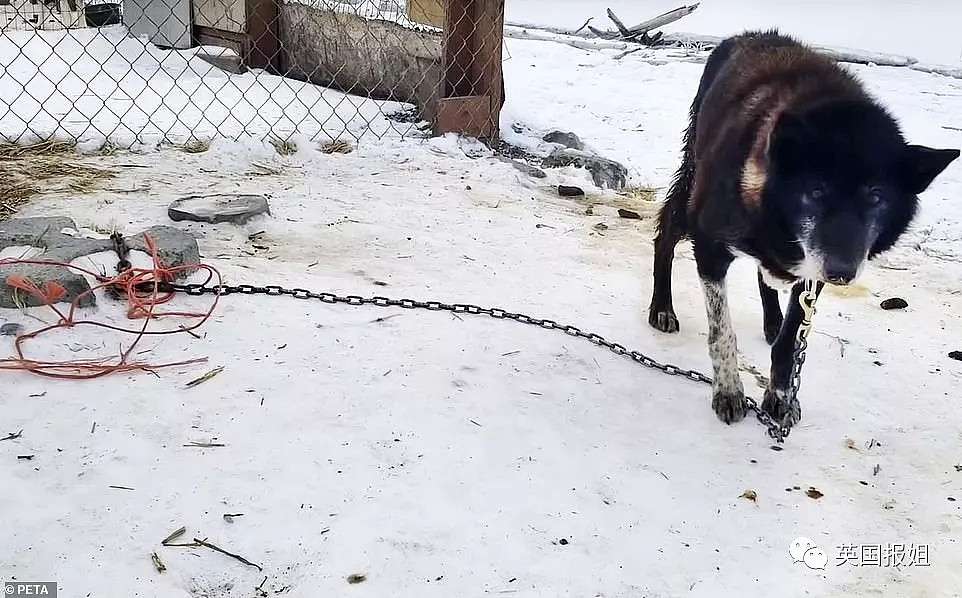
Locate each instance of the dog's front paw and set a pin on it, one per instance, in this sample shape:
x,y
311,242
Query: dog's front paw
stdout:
x,y
729,406
784,411
663,320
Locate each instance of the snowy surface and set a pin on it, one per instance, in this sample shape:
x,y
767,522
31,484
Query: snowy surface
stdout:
x,y
450,456
99,84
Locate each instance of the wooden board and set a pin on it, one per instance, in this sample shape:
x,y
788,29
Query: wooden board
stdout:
x,y
426,12
468,115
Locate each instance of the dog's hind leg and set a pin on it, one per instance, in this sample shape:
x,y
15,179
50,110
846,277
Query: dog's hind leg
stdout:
x,y
777,403
728,393
661,313
771,310
672,220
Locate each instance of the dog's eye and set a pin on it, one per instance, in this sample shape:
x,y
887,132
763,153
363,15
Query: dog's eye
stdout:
x,y
874,196
817,192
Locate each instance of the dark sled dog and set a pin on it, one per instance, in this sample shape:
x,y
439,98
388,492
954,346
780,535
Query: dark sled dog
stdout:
x,y
788,160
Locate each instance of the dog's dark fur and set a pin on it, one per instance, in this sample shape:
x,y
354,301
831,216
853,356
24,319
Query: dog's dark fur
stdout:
x,y
786,159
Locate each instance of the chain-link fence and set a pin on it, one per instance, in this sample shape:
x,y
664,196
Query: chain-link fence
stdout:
x,y
176,71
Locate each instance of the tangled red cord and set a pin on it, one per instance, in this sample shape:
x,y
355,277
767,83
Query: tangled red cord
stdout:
x,y
141,287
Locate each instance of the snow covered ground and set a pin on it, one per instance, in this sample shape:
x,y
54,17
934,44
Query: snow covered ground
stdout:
x,y
100,84
458,456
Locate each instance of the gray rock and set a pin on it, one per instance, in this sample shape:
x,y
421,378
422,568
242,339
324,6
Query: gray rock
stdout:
x,y
565,138
45,233
174,247
524,167
74,283
235,209
604,172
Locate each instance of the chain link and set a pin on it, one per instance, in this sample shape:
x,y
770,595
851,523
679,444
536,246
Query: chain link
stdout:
x,y
807,300
775,430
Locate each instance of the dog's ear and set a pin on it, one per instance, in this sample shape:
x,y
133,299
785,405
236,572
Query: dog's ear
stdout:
x,y
919,165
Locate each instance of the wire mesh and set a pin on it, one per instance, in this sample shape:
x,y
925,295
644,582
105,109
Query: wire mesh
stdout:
x,y
178,71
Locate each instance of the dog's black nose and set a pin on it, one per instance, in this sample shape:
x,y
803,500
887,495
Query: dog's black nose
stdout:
x,y
840,272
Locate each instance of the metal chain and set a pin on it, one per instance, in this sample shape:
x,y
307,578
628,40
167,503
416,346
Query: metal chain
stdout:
x,y
807,300
775,430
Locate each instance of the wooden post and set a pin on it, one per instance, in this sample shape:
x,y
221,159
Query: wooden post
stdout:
x,y
472,84
264,44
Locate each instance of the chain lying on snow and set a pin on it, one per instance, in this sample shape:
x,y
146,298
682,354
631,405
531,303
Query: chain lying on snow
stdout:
x,y
775,430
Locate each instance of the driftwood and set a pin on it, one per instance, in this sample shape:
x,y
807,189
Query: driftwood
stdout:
x,y
663,19
545,34
639,33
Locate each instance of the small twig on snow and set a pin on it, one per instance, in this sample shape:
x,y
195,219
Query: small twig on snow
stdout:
x,y
205,543
12,435
205,377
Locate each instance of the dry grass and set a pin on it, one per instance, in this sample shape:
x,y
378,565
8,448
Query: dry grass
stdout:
x,y
337,147
640,193
49,166
196,146
284,147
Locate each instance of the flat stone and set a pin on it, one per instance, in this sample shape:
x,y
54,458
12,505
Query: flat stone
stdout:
x,y
565,138
235,209
604,172
47,233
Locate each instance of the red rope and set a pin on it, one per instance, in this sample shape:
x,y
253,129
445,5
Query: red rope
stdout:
x,y
140,305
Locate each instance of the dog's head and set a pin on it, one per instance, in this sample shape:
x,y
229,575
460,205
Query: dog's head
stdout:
x,y
845,183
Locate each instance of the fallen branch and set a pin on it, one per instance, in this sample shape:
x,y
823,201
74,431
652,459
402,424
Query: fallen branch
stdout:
x,y
621,26
512,32
662,19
